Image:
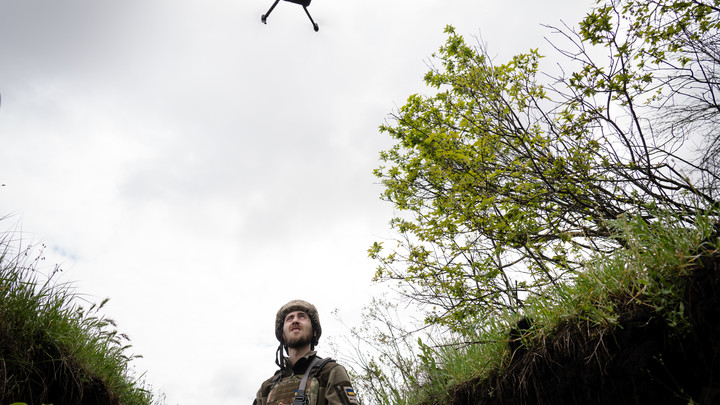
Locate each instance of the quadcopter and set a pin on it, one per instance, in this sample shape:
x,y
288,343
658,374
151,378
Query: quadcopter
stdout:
x,y
304,3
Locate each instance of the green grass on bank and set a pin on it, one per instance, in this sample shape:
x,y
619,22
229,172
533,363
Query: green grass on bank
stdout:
x,y
52,348
649,273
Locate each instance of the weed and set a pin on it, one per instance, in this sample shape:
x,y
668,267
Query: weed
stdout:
x,y
54,349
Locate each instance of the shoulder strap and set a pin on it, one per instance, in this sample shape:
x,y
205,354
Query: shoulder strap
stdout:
x,y
321,364
275,379
317,364
300,393
323,371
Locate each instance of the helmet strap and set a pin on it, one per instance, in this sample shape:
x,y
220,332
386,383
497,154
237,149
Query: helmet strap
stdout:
x,y
279,358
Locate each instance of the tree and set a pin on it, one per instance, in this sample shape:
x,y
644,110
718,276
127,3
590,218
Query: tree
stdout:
x,y
504,184
671,49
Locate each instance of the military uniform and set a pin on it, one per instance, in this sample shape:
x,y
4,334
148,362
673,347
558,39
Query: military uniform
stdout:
x,y
329,385
326,382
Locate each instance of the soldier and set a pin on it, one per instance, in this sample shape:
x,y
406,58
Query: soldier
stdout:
x,y
303,377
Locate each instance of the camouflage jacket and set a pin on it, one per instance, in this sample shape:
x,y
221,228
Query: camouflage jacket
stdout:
x,y
328,386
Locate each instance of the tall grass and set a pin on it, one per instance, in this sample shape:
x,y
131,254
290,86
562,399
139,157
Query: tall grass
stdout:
x,y
648,272
45,334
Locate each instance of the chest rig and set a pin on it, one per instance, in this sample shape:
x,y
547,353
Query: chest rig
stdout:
x,y
295,389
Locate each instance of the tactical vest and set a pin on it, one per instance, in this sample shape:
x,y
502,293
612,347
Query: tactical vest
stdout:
x,y
285,391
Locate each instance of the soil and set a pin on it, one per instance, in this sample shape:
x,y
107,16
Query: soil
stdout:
x,y
640,361
41,375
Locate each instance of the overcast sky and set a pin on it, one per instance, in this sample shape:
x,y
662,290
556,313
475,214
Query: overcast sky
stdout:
x,y
201,169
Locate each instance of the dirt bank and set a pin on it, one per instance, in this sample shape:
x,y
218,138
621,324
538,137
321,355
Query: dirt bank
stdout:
x,y
642,361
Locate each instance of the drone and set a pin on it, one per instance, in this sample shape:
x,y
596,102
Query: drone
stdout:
x,y
304,3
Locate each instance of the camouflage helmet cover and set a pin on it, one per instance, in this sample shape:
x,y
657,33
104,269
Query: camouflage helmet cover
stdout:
x,y
298,305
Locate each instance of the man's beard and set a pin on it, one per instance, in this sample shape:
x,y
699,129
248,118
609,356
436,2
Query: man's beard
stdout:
x,y
301,341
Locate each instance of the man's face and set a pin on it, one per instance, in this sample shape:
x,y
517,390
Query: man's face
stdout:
x,y
297,329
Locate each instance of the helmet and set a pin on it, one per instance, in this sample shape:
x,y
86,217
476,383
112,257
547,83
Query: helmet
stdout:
x,y
298,305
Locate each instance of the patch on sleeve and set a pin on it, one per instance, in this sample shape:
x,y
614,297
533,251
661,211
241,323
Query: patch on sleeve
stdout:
x,y
348,395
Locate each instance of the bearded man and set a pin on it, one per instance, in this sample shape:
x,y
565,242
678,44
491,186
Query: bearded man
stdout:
x,y
304,378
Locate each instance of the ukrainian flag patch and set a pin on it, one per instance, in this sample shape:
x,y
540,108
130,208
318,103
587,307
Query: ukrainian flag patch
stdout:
x,y
350,394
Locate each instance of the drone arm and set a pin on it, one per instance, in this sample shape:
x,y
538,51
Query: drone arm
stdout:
x,y
265,16
315,26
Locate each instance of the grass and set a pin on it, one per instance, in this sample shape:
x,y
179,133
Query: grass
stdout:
x,y
54,350
649,273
